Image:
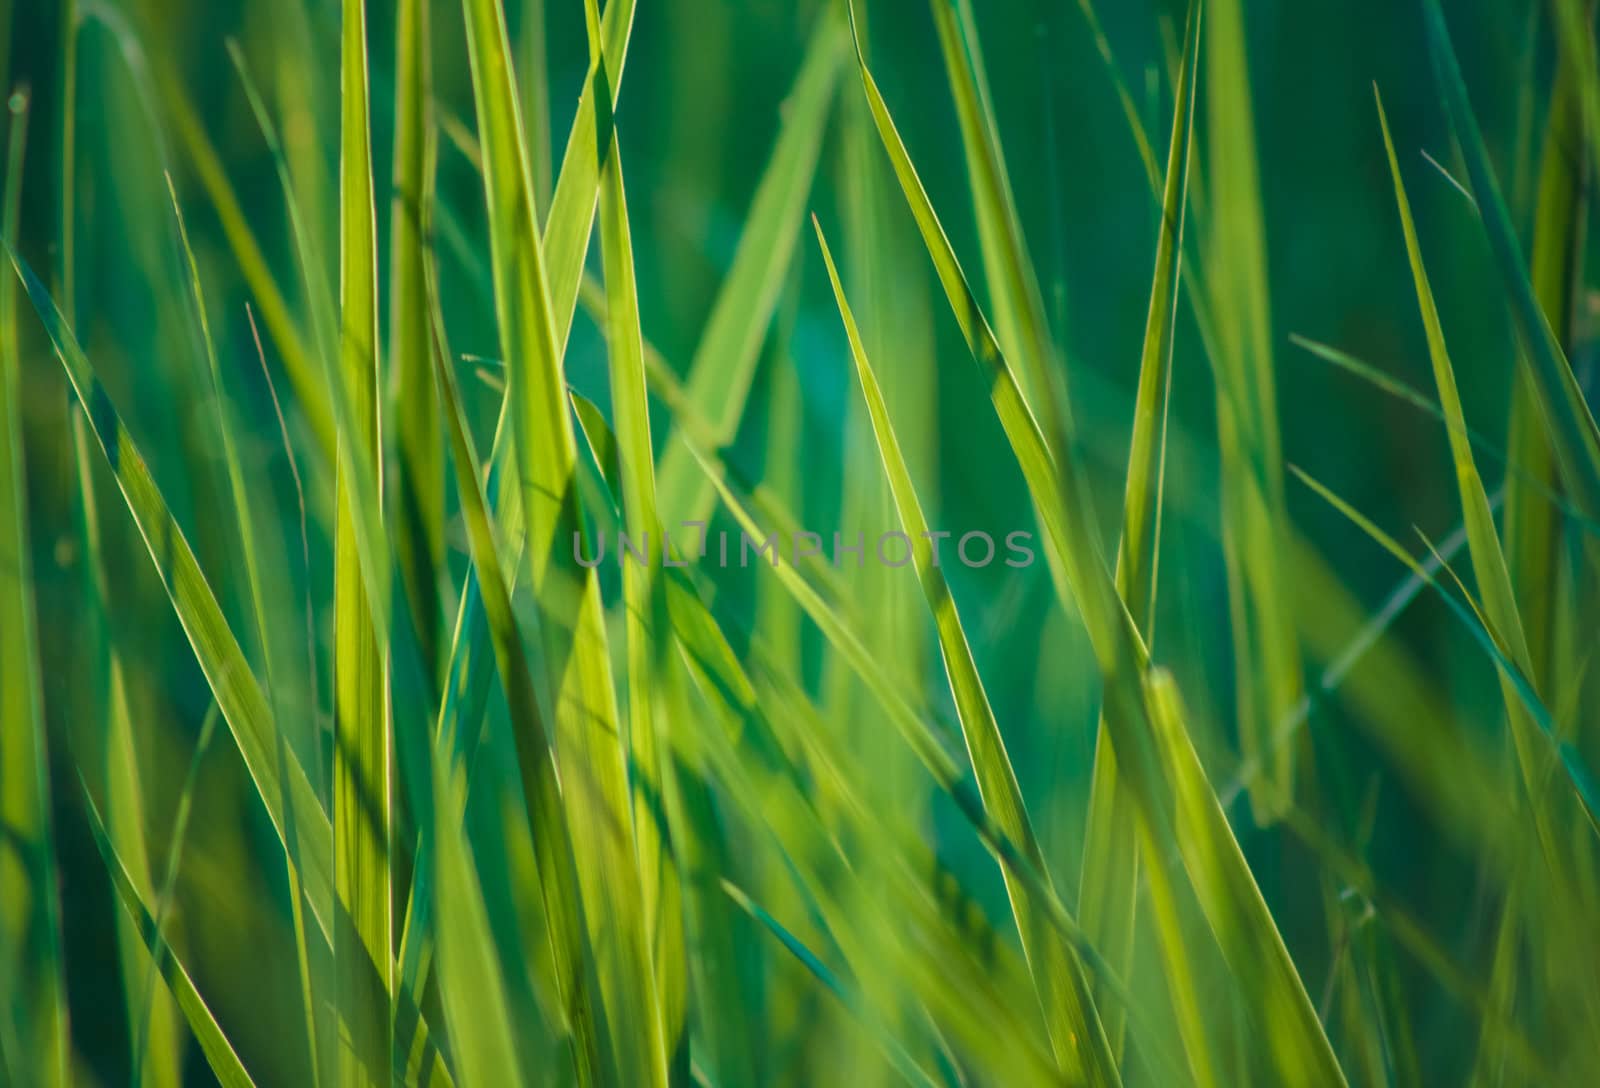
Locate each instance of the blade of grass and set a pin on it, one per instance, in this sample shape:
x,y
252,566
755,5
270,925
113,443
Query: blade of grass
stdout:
x,y
362,827
573,636
33,1030
214,1044
1107,895
1076,1033
1267,663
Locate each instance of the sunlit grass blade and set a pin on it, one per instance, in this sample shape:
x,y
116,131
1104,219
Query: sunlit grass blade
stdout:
x,y
1573,435
1267,664
419,476
214,1044
547,819
724,364
1075,1030
572,629
33,1007
1109,876
361,752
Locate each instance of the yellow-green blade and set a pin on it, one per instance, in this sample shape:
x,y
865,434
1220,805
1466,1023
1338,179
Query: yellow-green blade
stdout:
x,y
361,754
1109,875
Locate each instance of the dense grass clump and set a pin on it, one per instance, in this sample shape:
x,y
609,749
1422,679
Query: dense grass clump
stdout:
x,y
1004,548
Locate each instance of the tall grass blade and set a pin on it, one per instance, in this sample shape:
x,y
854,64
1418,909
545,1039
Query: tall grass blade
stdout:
x,y
361,753
1267,663
1079,1040
1109,879
33,1006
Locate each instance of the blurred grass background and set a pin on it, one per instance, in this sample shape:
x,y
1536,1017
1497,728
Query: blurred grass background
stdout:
x,y
1391,859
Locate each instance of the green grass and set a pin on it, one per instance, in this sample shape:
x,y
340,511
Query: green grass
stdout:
x,y
330,755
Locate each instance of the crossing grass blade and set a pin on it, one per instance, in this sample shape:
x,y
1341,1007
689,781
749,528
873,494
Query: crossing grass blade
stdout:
x,y
724,363
1076,1033
33,1008
573,632
1107,896
419,476
219,1052
1573,435
361,753
547,819
1267,662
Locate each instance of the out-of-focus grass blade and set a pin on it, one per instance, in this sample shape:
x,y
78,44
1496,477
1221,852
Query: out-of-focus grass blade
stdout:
x,y
1267,664
1573,434
33,1007
1560,222
547,819
260,609
219,1052
298,359
1076,1033
361,757
573,628
419,484
893,1051
724,363
1017,304
1577,773
1107,889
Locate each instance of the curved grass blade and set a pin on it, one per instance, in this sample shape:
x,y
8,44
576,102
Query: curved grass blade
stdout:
x,y
724,363
1076,1033
33,1007
1107,896
1573,435
573,634
361,754
219,1052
